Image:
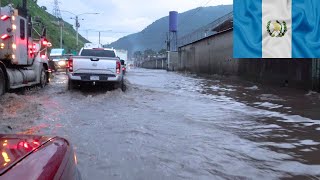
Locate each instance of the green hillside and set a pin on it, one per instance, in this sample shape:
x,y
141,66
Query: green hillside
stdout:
x,y
53,30
154,35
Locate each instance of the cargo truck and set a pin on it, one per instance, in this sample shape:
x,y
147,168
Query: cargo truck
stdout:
x,y
23,49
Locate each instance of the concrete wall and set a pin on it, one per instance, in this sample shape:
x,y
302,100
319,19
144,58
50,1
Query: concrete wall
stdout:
x,y
155,64
282,72
173,61
170,63
213,55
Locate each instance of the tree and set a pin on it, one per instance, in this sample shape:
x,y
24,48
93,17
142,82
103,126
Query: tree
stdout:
x,y
44,8
162,51
149,52
137,54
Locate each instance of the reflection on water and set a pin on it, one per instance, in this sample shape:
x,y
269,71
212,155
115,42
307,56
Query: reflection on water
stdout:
x,y
267,133
180,126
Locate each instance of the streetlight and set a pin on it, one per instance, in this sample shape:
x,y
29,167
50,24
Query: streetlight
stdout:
x,y
61,24
100,35
87,32
99,31
76,18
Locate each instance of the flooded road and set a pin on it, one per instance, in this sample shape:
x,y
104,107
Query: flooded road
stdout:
x,y
176,126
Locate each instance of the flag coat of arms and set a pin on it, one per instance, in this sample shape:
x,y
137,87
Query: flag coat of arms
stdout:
x,y
276,29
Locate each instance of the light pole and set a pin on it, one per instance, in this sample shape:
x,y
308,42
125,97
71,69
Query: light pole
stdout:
x,y
76,18
87,32
100,35
61,24
99,32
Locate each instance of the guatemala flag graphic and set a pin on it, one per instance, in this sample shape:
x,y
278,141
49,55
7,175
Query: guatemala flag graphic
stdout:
x,y
276,29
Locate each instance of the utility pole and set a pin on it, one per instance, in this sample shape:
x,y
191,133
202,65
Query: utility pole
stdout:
x,y
87,34
61,32
77,24
100,31
99,38
77,28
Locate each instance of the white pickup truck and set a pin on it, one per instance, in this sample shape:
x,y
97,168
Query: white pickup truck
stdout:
x,y
95,66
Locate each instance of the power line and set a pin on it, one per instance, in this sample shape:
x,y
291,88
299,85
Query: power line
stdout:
x,y
106,31
198,9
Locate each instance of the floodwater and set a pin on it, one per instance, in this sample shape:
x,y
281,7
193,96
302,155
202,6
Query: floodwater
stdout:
x,y
176,126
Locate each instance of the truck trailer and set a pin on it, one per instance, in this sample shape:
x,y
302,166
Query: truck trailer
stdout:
x,y
23,49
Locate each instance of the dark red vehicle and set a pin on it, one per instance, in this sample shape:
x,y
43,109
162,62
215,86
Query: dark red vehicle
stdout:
x,y
37,157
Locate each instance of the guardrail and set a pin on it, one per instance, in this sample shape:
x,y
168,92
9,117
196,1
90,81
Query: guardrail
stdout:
x,y
203,32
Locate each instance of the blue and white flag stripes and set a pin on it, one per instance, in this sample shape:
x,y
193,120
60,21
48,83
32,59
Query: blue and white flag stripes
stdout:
x,y
276,28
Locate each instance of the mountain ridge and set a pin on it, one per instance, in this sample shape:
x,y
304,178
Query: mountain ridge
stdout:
x,y
154,35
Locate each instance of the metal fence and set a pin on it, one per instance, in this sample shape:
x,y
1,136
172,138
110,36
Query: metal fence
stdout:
x,y
203,32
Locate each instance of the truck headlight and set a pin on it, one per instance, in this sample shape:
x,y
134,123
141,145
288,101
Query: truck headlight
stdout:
x,y
62,63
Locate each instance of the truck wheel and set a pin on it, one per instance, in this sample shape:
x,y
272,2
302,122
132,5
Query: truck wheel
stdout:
x,y
43,79
120,85
2,83
71,85
123,86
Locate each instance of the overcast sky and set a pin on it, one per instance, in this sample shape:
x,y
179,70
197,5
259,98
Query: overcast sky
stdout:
x,y
123,17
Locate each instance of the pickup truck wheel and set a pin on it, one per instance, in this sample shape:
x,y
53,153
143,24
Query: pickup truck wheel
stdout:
x,y
123,86
120,85
43,79
71,85
2,83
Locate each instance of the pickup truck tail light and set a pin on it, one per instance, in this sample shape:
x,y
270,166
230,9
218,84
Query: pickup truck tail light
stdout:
x,y
70,65
118,67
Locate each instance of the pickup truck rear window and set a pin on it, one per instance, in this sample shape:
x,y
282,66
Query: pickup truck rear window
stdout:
x,y
98,53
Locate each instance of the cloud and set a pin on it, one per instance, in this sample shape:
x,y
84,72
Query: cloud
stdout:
x,y
124,15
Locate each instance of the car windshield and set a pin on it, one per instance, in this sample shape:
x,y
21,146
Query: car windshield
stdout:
x,y
58,58
98,53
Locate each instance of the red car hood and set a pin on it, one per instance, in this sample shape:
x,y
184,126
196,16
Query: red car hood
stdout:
x,y
14,148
